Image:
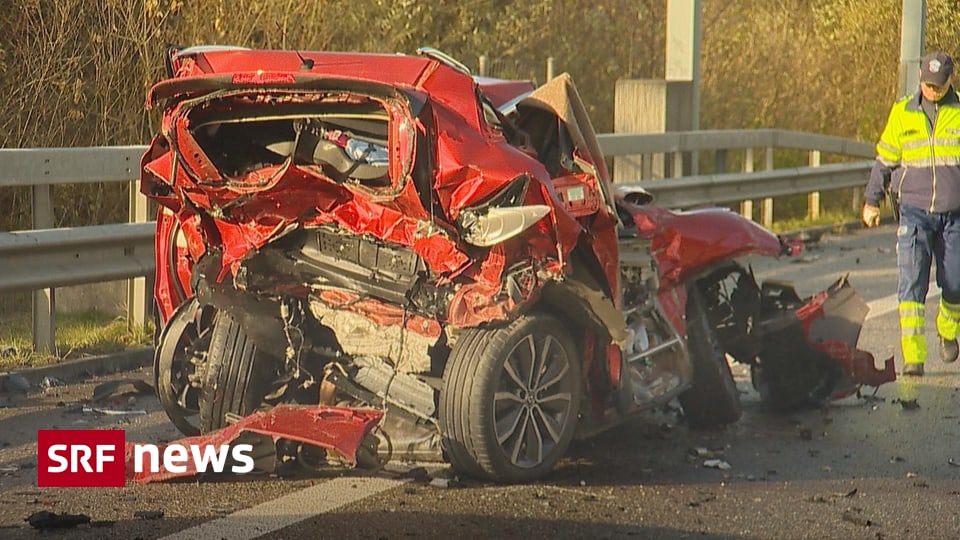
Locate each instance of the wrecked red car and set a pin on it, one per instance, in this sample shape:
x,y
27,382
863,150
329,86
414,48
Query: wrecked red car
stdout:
x,y
362,231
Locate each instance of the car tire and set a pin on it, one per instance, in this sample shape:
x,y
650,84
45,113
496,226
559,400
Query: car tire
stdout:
x,y
788,385
713,399
237,378
179,347
503,417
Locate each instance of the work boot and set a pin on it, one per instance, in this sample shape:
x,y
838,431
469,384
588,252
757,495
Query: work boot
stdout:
x,y
915,370
948,350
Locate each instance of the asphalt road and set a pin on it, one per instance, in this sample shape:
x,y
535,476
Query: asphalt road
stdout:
x,y
864,467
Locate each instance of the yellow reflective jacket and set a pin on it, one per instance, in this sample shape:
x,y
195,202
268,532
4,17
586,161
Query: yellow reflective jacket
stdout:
x,y
920,165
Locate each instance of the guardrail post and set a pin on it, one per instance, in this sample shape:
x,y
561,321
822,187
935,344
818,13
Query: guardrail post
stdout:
x,y
44,300
720,161
137,305
746,207
813,199
766,213
550,67
482,65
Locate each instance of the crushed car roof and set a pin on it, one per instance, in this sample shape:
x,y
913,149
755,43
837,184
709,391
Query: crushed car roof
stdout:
x,y
247,67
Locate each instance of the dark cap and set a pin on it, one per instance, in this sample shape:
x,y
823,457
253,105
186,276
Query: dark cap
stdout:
x,y
936,68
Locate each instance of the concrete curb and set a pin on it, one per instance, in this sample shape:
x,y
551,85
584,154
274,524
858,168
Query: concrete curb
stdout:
x,y
74,370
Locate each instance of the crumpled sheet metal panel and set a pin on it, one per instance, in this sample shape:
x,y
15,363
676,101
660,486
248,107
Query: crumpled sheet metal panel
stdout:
x,y
337,429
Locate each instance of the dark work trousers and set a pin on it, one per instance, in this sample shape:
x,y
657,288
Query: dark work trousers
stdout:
x,y
924,238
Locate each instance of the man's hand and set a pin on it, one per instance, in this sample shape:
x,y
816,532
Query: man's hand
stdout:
x,y
870,215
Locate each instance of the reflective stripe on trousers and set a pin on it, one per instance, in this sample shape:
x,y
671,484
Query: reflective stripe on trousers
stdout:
x,y
913,342
947,319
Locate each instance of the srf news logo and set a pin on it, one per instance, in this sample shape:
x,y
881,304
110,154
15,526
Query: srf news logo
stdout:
x,y
98,458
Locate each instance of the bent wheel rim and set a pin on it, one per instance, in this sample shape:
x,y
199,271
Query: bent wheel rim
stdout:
x,y
181,357
532,406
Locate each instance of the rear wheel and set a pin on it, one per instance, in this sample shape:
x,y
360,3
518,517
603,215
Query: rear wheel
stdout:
x,y
510,400
179,362
714,399
238,377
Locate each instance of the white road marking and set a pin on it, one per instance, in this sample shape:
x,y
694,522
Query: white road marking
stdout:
x,y
882,306
288,510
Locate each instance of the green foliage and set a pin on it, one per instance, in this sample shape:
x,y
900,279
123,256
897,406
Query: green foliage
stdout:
x,y
75,73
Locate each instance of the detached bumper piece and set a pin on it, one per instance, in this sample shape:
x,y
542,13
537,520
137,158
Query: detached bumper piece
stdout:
x,y
810,355
832,321
334,429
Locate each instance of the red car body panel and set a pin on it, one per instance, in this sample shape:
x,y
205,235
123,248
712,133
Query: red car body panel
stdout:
x,y
687,242
335,429
474,161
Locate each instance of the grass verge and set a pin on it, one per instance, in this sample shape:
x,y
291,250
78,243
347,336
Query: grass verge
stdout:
x,y
833,218
78,335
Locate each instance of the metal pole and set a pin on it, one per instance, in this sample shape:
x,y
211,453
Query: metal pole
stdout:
x,y
482,67
813,199
766,213
912,31
44,300
137,315
746,207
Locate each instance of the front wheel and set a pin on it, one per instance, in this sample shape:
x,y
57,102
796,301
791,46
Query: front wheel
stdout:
x,y
714,399
510,399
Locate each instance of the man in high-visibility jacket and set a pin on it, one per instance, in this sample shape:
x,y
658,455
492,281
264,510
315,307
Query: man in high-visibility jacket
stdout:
x,y
918,163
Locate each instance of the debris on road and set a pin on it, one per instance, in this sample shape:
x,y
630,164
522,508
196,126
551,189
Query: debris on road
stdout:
x,y
717,464
908,404
855,516
706,453
17,383
953,463
114,412
704,498
121,386
417,474
51,384
148,514
51,520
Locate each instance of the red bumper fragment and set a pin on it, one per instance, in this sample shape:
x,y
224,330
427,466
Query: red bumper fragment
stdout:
x,y
336,429
832,321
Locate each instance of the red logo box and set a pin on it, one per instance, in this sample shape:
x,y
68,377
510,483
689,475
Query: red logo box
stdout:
x,y
81,458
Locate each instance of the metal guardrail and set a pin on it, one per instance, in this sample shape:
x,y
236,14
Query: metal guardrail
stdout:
x,y
45,166
732,187
620,144
44,258
41,259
